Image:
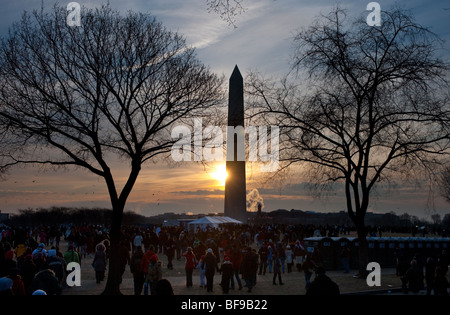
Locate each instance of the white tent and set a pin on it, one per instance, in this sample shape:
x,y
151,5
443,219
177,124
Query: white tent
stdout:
x,y
213,222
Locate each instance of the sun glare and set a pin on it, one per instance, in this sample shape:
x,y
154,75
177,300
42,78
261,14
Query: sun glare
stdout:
x,y
220,174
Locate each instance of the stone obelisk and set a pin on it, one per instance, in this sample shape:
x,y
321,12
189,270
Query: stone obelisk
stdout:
x,y
235,186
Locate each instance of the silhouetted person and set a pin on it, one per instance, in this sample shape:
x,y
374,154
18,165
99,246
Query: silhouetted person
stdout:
x,y
250,268
45,280
277,270
263,253
227,274
58,265
430,271
322,285
163,287
345,258
154,274
189,266
210,264
136,270
414,277
99,263
28,270
440,282
444,261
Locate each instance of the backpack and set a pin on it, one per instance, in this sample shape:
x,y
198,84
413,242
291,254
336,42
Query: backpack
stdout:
x,y
154,272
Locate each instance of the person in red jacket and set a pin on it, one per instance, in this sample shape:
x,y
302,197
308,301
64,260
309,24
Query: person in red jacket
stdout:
x,y
145,262
191,263
236,257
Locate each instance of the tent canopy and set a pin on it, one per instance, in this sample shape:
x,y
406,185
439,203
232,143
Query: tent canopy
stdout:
x,y
212,222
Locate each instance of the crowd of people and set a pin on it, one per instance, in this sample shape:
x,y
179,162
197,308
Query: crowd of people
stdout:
x,y
32,261
236,253
419,274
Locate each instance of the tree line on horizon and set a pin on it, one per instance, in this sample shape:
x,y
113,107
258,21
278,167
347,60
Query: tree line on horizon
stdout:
x,y
69,216
102,216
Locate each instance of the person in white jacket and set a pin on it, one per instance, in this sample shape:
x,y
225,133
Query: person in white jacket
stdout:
x,y
289,258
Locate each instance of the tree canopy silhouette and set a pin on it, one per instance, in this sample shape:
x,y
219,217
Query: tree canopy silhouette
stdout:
x,y
364,104
108,90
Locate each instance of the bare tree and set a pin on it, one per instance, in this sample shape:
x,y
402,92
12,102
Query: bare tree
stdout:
x,y
86,96
373,105
436,219
446,222
444,183
226,9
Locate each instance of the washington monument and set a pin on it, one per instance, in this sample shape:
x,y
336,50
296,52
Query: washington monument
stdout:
x,y
235,185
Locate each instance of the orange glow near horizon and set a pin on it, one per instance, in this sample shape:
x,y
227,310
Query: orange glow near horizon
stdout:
x,y
220,174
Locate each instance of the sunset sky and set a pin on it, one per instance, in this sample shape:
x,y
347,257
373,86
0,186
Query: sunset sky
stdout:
x,y
261,41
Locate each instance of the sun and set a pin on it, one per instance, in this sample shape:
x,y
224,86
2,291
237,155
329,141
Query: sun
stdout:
x,y
220,174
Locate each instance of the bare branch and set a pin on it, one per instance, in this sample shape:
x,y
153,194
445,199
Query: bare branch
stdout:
x,y
84,96
363,105
228,10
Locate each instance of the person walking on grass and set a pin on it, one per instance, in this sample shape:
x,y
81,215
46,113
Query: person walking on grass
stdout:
x,y
210,265
345,258
440,282
191,263
263,253
201,267
289,253
154,275
430,272
145,262
227,274
277,270
169,250
236,261
269,258
136,270
414,278
250,268
99,262
308,267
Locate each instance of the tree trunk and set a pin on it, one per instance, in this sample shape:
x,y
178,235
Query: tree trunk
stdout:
x,y
363,253
113,280
118,205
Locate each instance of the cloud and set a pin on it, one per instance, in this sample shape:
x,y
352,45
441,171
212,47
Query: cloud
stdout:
x,y
200,192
